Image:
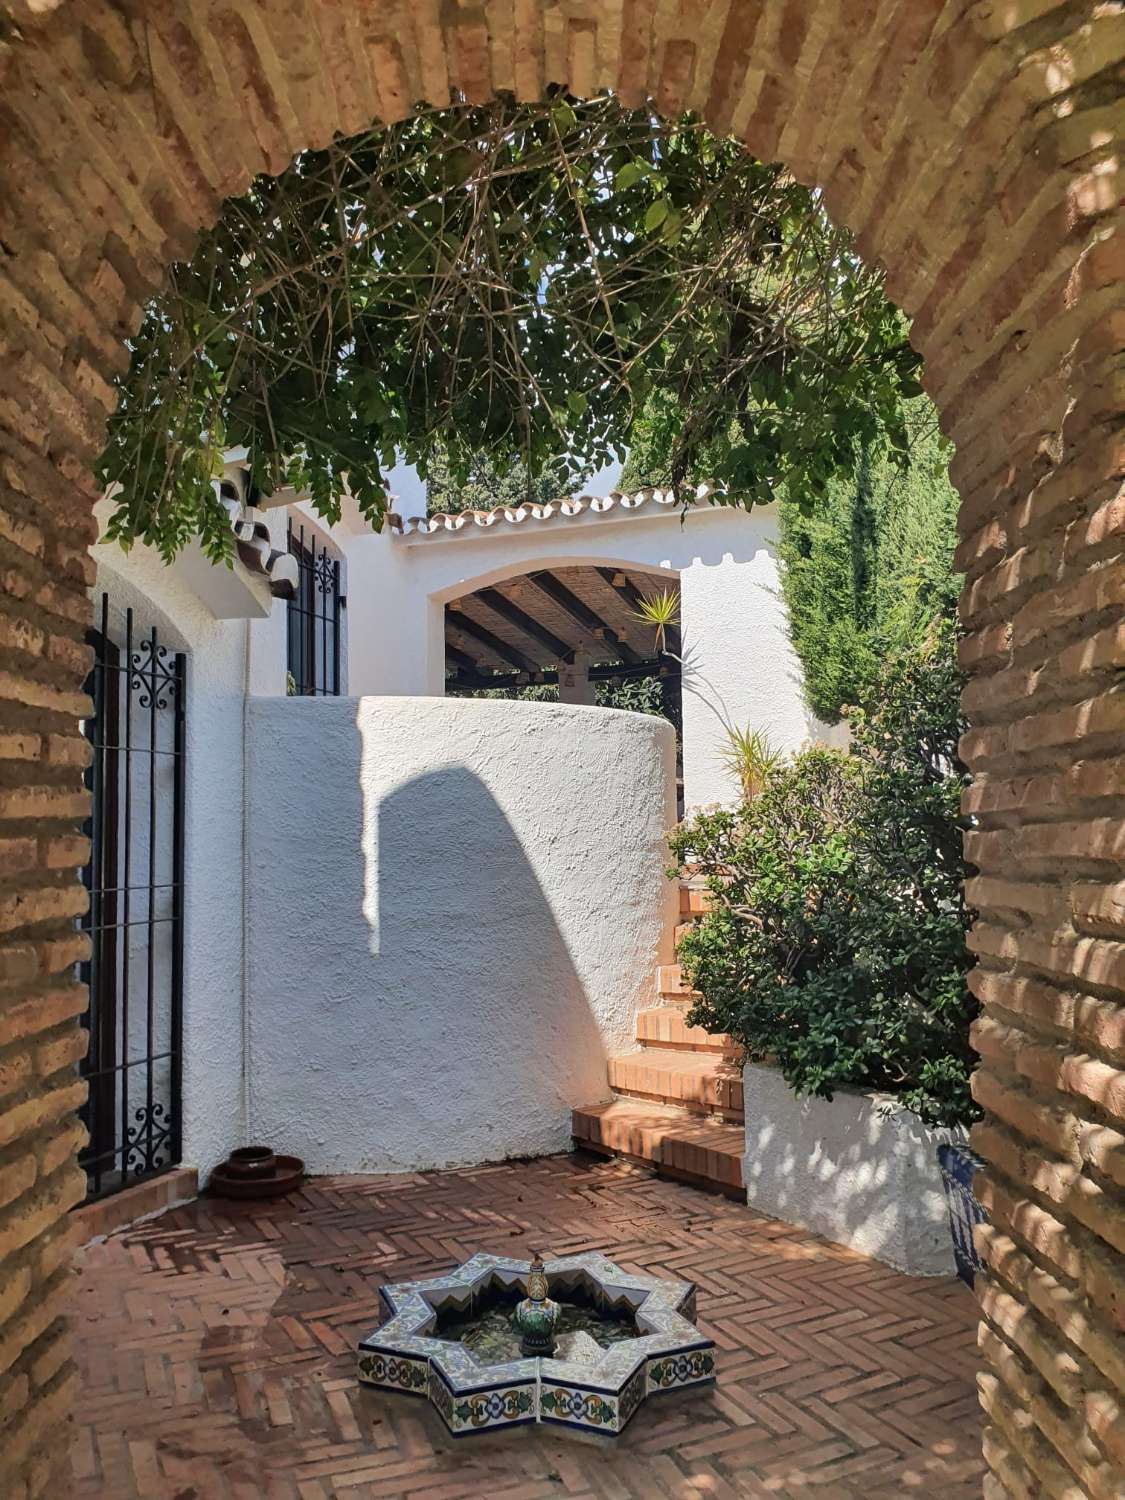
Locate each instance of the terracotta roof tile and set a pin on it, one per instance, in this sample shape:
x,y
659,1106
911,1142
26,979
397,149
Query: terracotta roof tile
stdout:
x,y
544,511
255,548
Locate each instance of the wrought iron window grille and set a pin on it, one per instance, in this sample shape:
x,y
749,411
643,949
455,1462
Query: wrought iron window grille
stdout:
x,y
135,920
315,619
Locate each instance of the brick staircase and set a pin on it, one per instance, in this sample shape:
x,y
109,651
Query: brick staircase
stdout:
x,y
677,1104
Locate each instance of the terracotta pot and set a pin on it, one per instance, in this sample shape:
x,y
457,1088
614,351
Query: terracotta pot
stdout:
x,y
255,1172
251,1161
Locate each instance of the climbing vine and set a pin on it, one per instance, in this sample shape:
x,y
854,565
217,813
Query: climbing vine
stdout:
x,y
513,280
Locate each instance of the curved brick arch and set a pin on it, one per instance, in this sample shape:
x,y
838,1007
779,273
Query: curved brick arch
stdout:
x,y
972,145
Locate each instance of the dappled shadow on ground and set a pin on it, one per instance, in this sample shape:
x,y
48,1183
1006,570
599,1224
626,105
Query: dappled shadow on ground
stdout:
x,y
217,1347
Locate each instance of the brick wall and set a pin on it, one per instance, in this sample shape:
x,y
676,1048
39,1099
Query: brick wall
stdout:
x,y
972,146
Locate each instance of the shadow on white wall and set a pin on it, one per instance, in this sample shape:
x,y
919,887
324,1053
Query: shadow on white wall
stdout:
x,y
860,1169
456,908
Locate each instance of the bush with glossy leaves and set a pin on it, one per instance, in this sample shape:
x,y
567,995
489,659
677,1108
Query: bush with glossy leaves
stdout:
x,y
836,945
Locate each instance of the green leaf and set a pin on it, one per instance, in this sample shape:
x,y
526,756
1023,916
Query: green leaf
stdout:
x,y
452,279
656,213
631,173
670,229
564,117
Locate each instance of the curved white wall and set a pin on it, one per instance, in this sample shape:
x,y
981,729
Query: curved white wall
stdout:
x,y
456,908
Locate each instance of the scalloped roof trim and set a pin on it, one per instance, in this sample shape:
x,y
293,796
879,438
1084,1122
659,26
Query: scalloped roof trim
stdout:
x,y
550,510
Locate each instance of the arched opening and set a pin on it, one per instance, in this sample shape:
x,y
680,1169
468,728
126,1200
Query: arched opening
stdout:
x,y
973,152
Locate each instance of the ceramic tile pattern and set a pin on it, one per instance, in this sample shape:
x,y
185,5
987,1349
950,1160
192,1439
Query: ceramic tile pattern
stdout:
x,y
218,1349
473,1397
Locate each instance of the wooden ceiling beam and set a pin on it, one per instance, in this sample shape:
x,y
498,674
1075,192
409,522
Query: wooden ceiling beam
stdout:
x,y
483,660
628,591
580,612
468,626
461,659
494,600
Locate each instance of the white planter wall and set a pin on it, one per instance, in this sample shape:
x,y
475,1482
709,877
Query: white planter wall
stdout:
x,y
455,910
860,1170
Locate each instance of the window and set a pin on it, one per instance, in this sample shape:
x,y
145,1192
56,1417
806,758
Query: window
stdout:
x,y
135,972
314,619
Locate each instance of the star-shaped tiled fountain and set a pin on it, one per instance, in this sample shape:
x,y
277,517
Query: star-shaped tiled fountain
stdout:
x,y
639,1340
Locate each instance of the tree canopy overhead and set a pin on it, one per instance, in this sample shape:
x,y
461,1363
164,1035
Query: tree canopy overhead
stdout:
x,y
488,485
514,280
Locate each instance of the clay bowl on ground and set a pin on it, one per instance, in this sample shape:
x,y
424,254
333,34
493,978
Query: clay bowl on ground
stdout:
x,y
255,1172
251,1161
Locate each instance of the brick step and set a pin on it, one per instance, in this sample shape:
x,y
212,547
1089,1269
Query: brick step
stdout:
x,y
694,900
697,1081
690,1147
670,983
665,1026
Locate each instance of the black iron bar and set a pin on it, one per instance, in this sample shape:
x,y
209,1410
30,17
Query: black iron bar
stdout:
x,y
109,1155
159,885
314,650
124,914
135,921
177,997
316,635
168,753
110,941
97,880
304,607
137,1062
128,854
323,632
150,1041
337,603
165,677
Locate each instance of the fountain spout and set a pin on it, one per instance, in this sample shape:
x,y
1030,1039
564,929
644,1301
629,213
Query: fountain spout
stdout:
x,y
536,1317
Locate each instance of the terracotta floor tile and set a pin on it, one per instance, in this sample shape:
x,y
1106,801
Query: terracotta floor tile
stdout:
x,y
216,1345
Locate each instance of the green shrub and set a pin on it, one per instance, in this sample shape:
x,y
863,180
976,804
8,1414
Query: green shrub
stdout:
x,y
836,947
864,572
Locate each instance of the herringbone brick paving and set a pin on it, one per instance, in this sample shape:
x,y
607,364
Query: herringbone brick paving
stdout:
x,y
217,1351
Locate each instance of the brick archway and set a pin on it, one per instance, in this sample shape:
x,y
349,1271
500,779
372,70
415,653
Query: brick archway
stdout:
x,y
973,148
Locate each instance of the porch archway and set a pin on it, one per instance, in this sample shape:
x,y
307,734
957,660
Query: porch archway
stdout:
x,y
973,149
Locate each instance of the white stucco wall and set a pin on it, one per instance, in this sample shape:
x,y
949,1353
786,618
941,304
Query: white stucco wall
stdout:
x,y
734,622
216,648
456,908
858,1169
736,641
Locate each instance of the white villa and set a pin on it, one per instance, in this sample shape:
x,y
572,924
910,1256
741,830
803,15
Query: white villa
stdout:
x,y
530,594
387,926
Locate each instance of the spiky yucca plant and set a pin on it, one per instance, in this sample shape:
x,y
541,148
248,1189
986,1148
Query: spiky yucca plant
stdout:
x,y
750,758
662,612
